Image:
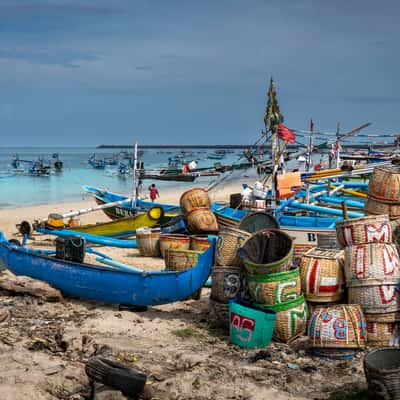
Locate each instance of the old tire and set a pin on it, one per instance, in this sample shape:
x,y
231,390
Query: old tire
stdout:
x,y
115,375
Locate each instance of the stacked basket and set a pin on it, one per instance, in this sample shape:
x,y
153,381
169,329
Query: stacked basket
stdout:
x,y
384,192
196,207
372,272
337,331
272,283
227,274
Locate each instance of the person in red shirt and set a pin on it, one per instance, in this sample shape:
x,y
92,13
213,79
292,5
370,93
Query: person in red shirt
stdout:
x,y
153,192
185,168
318,166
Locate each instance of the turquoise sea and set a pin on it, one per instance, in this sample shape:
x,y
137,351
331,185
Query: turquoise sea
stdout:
x,y
19,190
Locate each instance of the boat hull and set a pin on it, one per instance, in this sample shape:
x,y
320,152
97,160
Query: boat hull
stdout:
x,y
107,284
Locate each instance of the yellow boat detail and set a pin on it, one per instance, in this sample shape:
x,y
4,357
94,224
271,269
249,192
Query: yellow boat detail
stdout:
x,y
127,226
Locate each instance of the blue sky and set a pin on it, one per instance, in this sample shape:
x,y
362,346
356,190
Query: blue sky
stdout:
x,y
193,72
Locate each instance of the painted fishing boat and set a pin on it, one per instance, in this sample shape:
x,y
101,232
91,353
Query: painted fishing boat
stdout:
x,y
112,283
165,175
126,210
303,229
126,227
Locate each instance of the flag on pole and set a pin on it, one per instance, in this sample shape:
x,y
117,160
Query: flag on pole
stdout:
x,y
286,134
311,125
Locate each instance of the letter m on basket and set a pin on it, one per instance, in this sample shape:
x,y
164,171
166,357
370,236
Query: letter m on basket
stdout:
x,y
390,260
381,233
243,327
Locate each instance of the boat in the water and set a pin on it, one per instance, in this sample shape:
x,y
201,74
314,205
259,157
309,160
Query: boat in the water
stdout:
x,y
112,282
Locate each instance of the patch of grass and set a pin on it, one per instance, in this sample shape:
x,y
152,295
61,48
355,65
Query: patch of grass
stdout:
x,y
356,394
186,333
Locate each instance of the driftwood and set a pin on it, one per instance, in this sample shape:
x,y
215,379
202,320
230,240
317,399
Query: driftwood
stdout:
x,y
27,285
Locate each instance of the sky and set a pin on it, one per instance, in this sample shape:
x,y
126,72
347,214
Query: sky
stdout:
x,y
89,72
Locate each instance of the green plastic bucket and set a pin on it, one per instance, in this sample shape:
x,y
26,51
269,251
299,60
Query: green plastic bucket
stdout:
x,y
249,327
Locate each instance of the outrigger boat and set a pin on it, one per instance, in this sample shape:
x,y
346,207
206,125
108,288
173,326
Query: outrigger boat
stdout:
x,y
125,210
112,282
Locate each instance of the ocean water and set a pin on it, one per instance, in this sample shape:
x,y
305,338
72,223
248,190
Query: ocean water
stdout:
x,y
20,190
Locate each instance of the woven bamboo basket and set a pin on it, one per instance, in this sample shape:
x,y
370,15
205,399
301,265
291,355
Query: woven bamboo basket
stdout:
x,y
364,230
180,260
327,240
371,264
384,317
199,242
377,299
174,241
291,318
382,370
267,252
219,314
229,241
381,334
340,326
227,283
395,224
225,222
377,207
194,198
384,184
322,277
148,242
274,288
202,220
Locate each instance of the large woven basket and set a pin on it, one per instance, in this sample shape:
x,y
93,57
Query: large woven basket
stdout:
x,y
384,184
148,242
364,230
340,326
227,283
226,222
219,314
377,299
267,252
377,207
258,221
372,264
291,318
274,288
201,220
180,260
382,333
194,198
174,241
229,241
199,242
322,277
382,370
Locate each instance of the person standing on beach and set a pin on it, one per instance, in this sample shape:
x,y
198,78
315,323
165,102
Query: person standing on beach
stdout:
x,y
153,192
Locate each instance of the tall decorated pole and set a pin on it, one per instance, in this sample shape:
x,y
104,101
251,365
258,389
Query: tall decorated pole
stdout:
x,y
310,146
272,119
134,177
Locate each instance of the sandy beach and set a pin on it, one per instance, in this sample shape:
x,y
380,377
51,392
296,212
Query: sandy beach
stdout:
x,y
44,345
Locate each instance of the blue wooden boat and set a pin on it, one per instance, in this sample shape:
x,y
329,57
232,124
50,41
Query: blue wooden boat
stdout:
x,y
126,210
117,283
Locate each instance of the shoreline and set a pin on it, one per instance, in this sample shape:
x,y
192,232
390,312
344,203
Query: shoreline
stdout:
x,y
11,216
